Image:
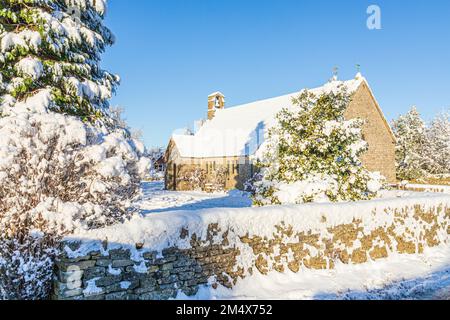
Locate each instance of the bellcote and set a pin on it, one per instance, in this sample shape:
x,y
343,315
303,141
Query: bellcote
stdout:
x,y
216,101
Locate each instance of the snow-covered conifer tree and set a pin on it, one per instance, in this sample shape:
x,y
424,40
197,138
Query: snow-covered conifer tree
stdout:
x,y
412,158
51,49
65,162
312,154
438,146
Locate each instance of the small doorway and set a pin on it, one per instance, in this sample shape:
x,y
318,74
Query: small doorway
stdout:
x,y
174,176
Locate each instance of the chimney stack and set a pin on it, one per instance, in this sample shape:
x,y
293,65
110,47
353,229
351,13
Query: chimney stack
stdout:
x,y
216,101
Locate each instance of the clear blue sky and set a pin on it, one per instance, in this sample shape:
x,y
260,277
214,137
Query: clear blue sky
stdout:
x,y
171,54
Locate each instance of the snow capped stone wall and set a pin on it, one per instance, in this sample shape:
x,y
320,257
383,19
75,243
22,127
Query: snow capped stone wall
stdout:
x,y
161,256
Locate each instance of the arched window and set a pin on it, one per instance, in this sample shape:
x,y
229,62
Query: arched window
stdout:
x,y
218,102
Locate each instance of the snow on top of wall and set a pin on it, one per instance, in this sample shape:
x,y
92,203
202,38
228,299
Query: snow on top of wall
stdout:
x,y
240,130
159,231
429,187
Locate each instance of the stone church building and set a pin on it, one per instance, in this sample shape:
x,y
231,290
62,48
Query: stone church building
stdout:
x,y
229,140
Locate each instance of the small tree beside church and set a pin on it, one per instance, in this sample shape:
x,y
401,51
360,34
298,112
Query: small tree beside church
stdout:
x,y
312,155
412,158
438,148
422,151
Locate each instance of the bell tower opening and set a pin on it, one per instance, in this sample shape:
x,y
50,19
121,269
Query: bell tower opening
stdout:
x,y
216,101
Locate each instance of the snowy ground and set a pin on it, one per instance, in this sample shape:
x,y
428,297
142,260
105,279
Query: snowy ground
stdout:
x,y
424,276
157,200
402,277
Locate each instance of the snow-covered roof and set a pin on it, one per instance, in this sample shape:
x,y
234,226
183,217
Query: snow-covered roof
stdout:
x,y
217,93
240,130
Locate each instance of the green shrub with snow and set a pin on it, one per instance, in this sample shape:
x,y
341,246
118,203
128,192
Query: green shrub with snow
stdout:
x,y
312,155
66,163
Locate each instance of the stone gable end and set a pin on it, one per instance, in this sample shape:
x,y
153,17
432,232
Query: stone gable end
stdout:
x,y
381,154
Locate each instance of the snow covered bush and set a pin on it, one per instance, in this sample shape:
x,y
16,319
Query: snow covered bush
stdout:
x,y
198,179
65,162
312,155
71,173
217,179
195,178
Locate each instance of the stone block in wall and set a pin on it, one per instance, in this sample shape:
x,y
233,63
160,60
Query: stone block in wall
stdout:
x,y
69,276
120,254
94,272
69,265
121,296
122,263
183,276
108,280
68,286
75,294
123,286
103,263
150,256
134,276
148,282
172,278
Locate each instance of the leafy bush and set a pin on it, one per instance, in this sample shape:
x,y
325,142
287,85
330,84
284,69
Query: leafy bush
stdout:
x,y
313,155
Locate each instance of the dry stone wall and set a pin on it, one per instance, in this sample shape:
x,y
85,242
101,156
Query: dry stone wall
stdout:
x,y
223,256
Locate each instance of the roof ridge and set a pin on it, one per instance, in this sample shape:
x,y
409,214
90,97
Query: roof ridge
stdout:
x,y
233,128
362,79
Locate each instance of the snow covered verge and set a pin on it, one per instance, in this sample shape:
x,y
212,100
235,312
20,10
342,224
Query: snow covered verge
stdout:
x,y
427,188
178,252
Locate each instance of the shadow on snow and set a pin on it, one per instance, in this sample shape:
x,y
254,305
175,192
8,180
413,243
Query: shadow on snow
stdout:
x,y
221,201
435,286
